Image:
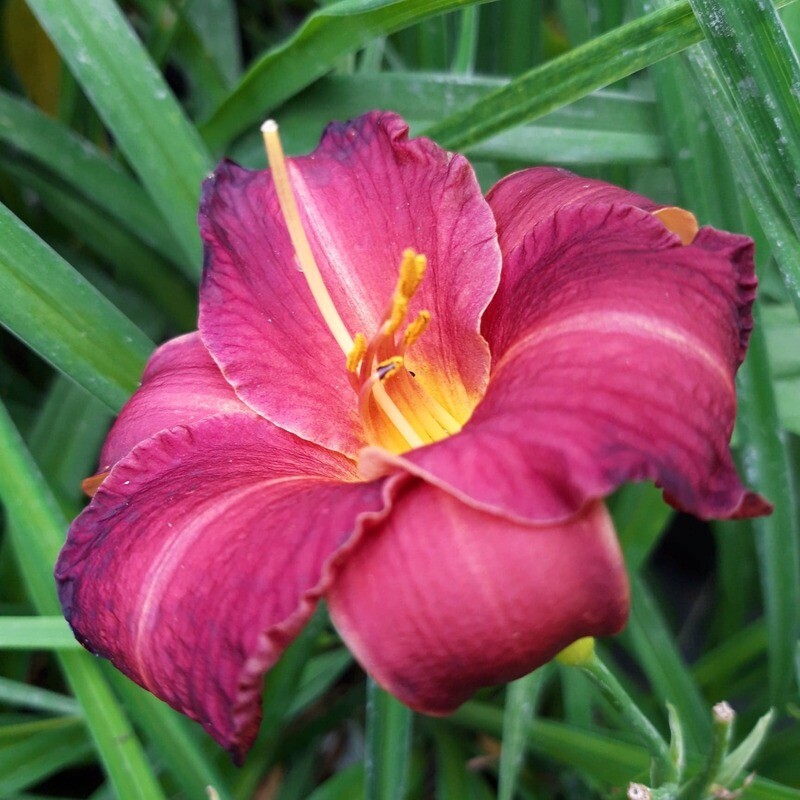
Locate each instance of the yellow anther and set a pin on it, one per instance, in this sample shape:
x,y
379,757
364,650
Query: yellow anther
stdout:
x,y
416,328
386,369
398,313
412,268
357,353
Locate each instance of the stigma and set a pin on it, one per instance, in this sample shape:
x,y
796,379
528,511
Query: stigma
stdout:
x,y
396,411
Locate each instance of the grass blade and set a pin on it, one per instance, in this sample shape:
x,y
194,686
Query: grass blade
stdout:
x,y
85,169
388,745
598,63
40,633
57,313
36,530
30,761
24,695
657,653
114,70
781,229
765,458
522,697
752,55
326,36
767,466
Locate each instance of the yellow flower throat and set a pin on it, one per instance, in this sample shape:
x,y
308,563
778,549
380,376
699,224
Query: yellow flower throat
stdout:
x,y
397,413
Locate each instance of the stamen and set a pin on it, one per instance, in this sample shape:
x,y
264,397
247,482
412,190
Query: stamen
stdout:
x,y
357,353
412,270
288,204
416,328
397,314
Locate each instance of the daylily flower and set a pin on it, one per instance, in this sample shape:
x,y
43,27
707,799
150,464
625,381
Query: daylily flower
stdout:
x,y
411,401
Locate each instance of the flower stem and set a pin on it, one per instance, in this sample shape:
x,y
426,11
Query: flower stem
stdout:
x,y
663,770
697,788
388,745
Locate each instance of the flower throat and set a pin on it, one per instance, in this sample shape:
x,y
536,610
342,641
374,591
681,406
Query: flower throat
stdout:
x,y
397,413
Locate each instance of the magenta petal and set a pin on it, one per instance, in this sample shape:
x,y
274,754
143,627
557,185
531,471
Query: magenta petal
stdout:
x,y
181,384
201,557
443,599
524,199
616,349
365,195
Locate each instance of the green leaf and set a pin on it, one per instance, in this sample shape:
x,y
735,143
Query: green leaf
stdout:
x,y
24,695
320,673
767,467
133,262
280,686
738,761
602,128
762,188
12,731
657,653
719,665
217,25
175,35
599,755
677,742
640,515
388,745
57,313
560,81
172,735
66,438
594,754
36,633
36,529
753,57
522,697
30,761
114,70
326,36
764,456
89,172
451,765
345,785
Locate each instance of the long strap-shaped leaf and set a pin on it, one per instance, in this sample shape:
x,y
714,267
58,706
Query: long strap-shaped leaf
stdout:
x,y
606,127
36,528
388,746
756,61
136,104
326,36
54,310
600,62
768,467
88,171
63,457
39,633
766,462
522,697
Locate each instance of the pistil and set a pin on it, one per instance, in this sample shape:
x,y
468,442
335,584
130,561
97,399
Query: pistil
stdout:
x,y
288,204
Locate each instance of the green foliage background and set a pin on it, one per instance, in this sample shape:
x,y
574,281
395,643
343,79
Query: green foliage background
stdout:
x,y
104,140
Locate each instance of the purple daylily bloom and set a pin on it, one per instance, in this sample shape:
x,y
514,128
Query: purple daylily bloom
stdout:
x,y
428,451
